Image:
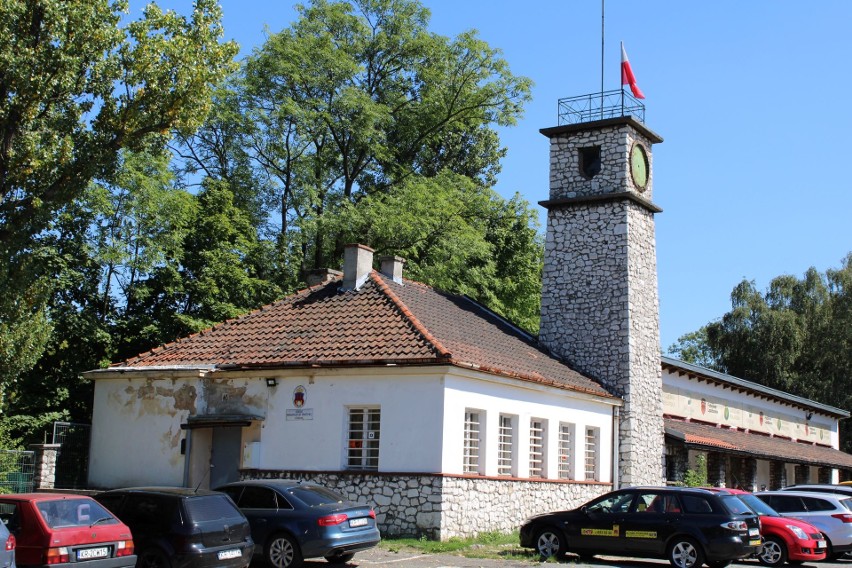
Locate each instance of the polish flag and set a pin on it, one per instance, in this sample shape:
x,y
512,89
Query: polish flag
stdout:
x,y
627,77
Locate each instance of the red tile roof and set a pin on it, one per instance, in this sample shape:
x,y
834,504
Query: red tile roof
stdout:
x,y
756,445
382,323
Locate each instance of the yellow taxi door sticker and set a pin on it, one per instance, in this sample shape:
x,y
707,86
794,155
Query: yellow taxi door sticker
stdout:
x,y
600,532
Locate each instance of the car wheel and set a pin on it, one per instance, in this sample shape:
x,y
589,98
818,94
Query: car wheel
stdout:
x,y
685,553
282,551
550,542
773,553
152,558
340,558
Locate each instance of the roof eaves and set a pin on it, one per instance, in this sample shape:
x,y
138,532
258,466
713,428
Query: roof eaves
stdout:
x,y
539,379
752,386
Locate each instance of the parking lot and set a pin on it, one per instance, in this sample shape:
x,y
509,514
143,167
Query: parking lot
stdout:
x,y
382,557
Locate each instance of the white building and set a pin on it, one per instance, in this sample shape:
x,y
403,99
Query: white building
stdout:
x,y
448,418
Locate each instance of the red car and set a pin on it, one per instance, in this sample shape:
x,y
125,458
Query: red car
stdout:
x,y
784,539
63,530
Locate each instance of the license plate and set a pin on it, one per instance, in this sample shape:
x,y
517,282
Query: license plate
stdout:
x,y
225,554
754,542
820,544
89,553
358,522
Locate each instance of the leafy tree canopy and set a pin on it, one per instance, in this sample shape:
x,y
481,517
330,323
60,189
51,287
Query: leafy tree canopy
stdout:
x,y
796,336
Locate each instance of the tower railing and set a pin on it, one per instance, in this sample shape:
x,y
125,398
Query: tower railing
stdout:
x,y
598,106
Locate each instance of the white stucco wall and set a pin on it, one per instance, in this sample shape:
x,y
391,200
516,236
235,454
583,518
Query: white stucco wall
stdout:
x,y
411,408
136,434
135,439
524,401
682,396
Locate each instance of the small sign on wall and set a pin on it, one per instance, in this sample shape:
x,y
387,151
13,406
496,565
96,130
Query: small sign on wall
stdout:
x,y
300,414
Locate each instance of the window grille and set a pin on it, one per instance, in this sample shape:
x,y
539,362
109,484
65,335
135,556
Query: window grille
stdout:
x,y
363,450
566,451
471,441
591,454
536,447
505,442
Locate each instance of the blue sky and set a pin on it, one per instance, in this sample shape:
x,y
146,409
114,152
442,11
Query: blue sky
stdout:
x,y
750,98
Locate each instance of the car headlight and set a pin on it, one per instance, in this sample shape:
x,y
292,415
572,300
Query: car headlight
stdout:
x,y
800,534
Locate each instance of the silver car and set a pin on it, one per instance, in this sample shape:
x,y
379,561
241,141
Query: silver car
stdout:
x,y
831,513
7,547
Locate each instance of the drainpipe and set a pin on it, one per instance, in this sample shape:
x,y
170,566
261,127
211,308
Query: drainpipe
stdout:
x,y
616,435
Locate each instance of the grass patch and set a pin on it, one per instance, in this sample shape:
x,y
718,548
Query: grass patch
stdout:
x,y
487,545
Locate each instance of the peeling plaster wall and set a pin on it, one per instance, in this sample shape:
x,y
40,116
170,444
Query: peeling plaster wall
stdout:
x,y
136,424
136,431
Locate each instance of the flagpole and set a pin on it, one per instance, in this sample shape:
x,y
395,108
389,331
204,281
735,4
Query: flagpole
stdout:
x,y
622,81
602,58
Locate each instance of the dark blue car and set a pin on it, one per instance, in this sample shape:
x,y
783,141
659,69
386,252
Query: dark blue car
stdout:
x,y
292,520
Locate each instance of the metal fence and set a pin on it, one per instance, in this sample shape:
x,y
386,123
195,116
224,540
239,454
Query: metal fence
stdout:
x,y
16,471
599,106
72,463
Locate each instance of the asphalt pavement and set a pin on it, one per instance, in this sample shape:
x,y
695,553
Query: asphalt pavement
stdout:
x,y
378,557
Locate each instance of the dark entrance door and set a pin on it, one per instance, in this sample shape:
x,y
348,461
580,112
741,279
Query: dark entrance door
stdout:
x,y
225,458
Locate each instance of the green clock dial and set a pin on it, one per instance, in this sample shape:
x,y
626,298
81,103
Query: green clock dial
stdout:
x,y
639,166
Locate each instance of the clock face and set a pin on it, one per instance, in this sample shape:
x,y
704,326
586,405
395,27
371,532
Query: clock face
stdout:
x,y
639,166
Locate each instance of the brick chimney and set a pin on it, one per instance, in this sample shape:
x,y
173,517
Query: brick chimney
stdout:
x,y
357,264
392,267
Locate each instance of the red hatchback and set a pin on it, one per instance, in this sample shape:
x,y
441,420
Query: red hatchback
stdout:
x,y
65,531
784,539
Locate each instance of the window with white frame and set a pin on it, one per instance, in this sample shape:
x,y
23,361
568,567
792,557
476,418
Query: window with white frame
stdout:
x,y
505,445
363,446
471,441
566,451
537,442
592,440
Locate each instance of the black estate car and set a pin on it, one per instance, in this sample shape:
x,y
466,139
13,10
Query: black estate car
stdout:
x,y
688,526
179,527
293,520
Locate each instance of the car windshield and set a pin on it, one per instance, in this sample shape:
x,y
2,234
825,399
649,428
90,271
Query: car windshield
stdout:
x,y
846,503
313,496
63,513
735,505
758,506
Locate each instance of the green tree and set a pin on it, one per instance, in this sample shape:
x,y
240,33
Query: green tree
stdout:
x,y
221,270
76,89
355,97
794,337
456,236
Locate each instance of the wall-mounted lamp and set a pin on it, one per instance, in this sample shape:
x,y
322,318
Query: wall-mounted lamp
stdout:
x,y
809,415
271,382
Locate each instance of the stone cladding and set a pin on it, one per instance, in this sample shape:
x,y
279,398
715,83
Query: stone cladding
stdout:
x,y
600,307
442,507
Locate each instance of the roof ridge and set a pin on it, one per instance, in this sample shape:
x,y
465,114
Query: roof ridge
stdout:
x,y
409,315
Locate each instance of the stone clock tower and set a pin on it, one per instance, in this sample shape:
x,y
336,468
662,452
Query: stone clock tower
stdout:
x,y
599,305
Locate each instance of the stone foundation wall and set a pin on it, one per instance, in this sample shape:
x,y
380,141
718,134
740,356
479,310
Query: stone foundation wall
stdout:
x,y
441,507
